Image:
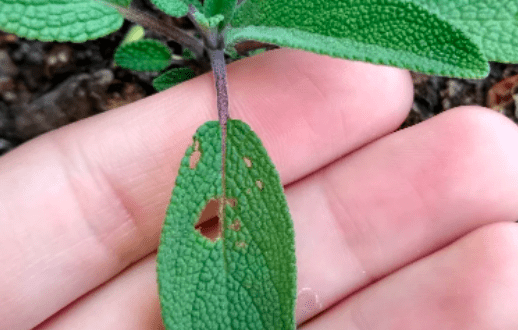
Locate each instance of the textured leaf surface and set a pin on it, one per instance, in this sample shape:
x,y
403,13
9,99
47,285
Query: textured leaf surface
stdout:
x,y
220,7
177,8
172,77
246,279
390,32
58,20
143,55
493,24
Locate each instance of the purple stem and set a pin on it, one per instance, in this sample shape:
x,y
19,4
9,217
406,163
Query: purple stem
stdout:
x,y
217,60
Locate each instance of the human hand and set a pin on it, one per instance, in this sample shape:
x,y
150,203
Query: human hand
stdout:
x,y
405,230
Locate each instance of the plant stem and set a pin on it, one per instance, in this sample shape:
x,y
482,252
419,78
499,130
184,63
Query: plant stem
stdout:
x,y
170,31
217,60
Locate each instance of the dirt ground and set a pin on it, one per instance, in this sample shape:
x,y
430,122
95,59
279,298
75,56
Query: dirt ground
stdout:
x,y
46,85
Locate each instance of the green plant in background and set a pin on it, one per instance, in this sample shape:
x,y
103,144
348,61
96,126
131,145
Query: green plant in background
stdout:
x,y
226,257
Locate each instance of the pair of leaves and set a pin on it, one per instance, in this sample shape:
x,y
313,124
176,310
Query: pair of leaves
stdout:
x,y
238,272
152,55
451,38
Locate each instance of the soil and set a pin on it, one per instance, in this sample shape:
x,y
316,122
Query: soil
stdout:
x,y
45,85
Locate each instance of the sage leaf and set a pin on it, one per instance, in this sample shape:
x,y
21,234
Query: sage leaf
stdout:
x,y
220,7
172,77
59,20
177,8
492,24
390,32
143,55
238,272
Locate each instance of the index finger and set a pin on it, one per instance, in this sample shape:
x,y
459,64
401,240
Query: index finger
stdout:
x,y
80,204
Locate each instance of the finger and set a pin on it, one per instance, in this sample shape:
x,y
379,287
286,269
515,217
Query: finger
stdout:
x,y
399,199
81,203
336,256
128,302
471,284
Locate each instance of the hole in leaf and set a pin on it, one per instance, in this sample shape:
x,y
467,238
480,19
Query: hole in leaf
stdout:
x,y
236,225
248,162
209,224
259,184
195,156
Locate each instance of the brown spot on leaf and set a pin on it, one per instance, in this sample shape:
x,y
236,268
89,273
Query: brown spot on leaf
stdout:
x,y
259,184
240,244
232,202
247,161
236,225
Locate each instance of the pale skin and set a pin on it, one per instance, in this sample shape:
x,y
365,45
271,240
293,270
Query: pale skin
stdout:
x,y
407,230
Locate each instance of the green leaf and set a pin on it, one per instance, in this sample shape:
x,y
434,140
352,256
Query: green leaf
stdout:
x,y
143,55
134,34
220,7
244,276
390,32
188,54
58,20
208,22
177,8
492,24
172,77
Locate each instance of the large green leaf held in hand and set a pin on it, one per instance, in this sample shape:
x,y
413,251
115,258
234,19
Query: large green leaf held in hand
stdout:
x,y
58,20
492,24
237,273
391,32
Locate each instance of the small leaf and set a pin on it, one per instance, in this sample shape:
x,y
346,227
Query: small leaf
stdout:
x,y
143,55
223,7
492,24
134,34
58,20
233,273
390,32
177,8
172,77
208,22
188,54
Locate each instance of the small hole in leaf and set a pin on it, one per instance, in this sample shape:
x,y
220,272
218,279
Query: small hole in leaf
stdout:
x,y
259,184
248,162
236,225
195,156
209,224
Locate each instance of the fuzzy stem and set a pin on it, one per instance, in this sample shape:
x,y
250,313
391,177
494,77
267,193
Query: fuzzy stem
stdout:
x,y
217,60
